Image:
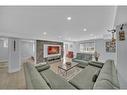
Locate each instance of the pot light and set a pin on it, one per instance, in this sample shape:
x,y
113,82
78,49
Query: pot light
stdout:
x,y
84,29
44,33
69,18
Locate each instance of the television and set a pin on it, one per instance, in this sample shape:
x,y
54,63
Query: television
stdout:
x,y
53,50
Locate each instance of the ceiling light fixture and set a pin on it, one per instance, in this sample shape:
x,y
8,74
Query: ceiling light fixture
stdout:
x,y
44,33
84,29
69,18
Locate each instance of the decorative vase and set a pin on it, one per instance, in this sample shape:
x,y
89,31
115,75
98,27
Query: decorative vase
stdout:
x,y
96,58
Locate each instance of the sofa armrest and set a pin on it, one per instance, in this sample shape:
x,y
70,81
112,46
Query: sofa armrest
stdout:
x,y
82,63
42,67
96,64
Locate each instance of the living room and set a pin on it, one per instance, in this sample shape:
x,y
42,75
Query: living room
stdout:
x,y
63,47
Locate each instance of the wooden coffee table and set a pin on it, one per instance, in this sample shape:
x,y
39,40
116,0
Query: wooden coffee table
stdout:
x,y
66,67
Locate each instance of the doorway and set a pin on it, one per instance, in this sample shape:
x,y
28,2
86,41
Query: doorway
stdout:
x,y
3,52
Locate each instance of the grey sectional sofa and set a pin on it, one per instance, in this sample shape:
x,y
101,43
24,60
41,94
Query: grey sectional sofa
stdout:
x,y
44,79
84,79
107,78
91,77
83,59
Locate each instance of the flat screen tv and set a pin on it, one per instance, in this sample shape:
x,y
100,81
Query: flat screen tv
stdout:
x,y
53,50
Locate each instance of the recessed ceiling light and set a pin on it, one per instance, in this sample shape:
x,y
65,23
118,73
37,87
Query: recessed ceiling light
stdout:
x,y
69,18
84,29
44,33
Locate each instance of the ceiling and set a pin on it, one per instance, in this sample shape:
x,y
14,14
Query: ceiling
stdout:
x,y
32,22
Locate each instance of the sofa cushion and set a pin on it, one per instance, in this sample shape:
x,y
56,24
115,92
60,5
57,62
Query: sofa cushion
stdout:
x,y
103,84
27,77
104,76
115,76
55,81
40,64
108,72
37,81
84,56
84,79
97,64
82,63
43,67
112,72
87,57
79,56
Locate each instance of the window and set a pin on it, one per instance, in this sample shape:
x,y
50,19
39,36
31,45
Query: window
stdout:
x,y
87,47
5,43
82,47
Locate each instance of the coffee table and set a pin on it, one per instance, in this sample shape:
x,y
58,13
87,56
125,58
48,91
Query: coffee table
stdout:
x,y
66,67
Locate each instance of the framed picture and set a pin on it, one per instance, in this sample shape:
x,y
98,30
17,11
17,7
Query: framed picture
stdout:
x,y
110,47
121,35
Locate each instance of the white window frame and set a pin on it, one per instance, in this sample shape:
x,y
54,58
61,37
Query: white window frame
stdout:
x,y
87,47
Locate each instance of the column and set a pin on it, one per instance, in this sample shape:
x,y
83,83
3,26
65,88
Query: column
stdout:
x,y
14,56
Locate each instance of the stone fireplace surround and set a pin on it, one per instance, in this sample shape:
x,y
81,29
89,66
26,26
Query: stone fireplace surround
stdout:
x,y
40,51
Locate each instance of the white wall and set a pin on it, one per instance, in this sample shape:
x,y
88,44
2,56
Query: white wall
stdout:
x,y
28,49
122,58
100,47
121,15
121,18
3,51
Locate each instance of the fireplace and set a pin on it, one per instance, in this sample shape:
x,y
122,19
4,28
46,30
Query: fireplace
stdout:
x,y
52,53
53,50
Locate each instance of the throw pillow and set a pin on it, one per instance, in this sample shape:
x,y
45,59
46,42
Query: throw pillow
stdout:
x,y
43,67
94,78
40,64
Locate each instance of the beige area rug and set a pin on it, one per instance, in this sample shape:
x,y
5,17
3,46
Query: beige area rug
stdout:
x,y
70,74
